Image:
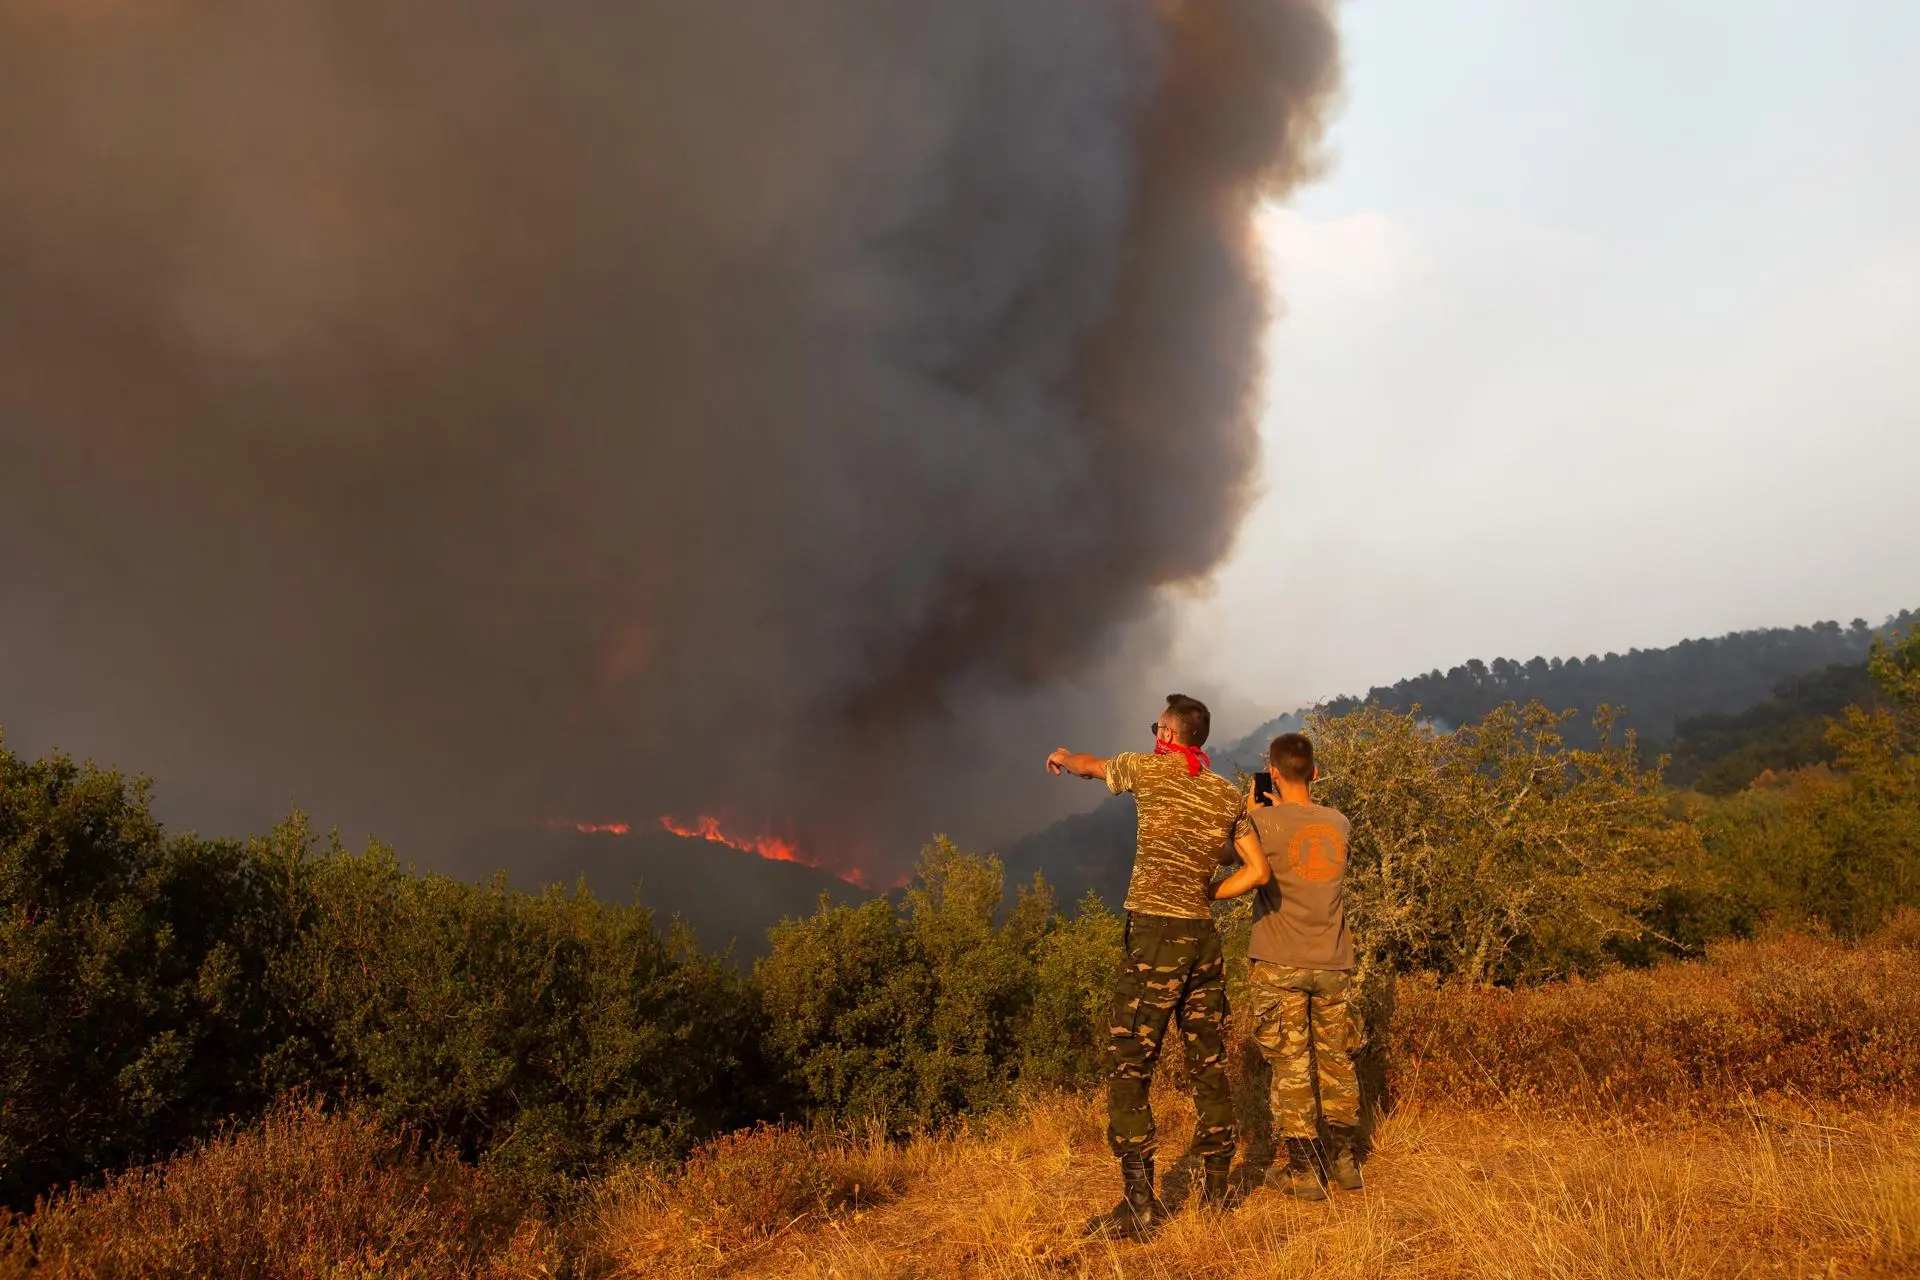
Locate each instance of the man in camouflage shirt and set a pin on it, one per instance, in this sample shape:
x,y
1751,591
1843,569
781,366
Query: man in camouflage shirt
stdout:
x,y
1191,820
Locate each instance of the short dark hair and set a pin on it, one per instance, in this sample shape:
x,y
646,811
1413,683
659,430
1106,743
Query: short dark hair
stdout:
x,y
1291,756
1191,720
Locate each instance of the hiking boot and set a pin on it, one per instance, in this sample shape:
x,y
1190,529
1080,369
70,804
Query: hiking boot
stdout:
x,y
1217,1191
1302,1179
1139,1213
1342,1169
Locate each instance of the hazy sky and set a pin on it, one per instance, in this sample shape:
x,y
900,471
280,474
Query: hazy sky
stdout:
x,y
1602,331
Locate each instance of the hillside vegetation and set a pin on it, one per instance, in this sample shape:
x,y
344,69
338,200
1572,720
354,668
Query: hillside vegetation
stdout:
x,y
1578,1129
1655,688
1726,708
1545,928
1720,753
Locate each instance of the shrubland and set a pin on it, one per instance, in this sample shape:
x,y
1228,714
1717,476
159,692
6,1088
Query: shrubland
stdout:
x,y
153,987
1578,1128
1548,931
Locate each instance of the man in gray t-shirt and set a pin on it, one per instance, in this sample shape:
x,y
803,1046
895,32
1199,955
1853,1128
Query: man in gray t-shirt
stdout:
x,y
1302,964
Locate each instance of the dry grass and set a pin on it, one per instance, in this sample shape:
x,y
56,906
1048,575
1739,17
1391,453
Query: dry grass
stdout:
x,y
1793,1015
741,1192
1453,1193
302,1196
1752,1114
1755,1115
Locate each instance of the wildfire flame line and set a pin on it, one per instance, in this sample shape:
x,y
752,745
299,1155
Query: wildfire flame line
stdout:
x,y
770,847
597,828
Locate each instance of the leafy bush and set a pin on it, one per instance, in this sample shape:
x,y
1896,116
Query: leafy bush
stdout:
x,y
1496,852
1065,1042
916,1014
1839,847
551,1034
153,987
138,1000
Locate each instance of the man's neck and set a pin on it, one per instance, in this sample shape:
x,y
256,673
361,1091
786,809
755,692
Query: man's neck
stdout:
x,y
1294,793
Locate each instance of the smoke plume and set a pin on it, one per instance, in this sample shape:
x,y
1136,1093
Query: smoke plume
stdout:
x,y
456,414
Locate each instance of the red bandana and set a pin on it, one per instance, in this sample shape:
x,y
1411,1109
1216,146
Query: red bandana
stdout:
x,y
1196,758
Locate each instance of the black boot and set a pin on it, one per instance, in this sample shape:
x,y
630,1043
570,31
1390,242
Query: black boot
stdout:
x,y
1139,1213
1342,1169
1217,1193
1303,1172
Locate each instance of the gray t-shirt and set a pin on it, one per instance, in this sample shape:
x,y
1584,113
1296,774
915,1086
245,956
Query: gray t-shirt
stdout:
x,y
1298,918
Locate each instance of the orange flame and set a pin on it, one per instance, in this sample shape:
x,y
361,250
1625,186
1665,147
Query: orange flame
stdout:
x,y
772,848
768,846
596,828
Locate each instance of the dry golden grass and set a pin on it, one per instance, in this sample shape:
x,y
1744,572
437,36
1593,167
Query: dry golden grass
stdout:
x,y
1750,1115
1452,1193
1792,1015
1754,1115
302,1196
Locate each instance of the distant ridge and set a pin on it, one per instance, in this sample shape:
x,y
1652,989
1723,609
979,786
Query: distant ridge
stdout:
x,y
727,897
1654,689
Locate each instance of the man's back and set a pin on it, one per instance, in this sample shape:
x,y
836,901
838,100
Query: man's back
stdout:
x,y
1186,820
1299,919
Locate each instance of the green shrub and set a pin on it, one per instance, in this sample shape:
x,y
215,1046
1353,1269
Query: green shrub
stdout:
x,y
1065,1041
549,1034
1837,848
139,1004
152,987
1496,852
916,1014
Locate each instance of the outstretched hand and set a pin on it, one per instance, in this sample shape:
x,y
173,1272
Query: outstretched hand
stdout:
x,y
1080,766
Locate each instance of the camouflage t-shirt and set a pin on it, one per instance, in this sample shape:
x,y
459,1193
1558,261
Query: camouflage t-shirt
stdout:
x,y
1186,820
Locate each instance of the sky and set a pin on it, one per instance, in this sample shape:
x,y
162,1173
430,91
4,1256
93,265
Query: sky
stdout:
x,y
1599,332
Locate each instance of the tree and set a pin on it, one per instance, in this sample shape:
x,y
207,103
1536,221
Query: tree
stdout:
x,y
1838,846
1872,822
138,1000
1495,852
934,1008
548,1034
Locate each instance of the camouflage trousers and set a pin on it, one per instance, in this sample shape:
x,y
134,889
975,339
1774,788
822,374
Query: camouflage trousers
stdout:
x,y
1172,966
1301,1024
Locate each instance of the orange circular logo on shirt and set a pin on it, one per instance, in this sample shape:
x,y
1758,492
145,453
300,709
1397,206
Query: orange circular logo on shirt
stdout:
x,y
1316,853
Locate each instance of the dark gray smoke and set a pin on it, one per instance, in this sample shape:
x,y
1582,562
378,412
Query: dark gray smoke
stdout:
x,y
455,413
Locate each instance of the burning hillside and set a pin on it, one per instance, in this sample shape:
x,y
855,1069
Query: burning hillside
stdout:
x,y
771,847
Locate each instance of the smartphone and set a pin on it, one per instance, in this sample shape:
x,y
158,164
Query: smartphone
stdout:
x,y
1263,787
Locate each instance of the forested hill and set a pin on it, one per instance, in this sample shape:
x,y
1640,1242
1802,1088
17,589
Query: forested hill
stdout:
x,y
1654,689
1720,753
1704,683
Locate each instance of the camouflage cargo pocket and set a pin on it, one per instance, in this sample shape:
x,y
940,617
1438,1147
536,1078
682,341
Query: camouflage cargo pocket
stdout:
x,y
1130,990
